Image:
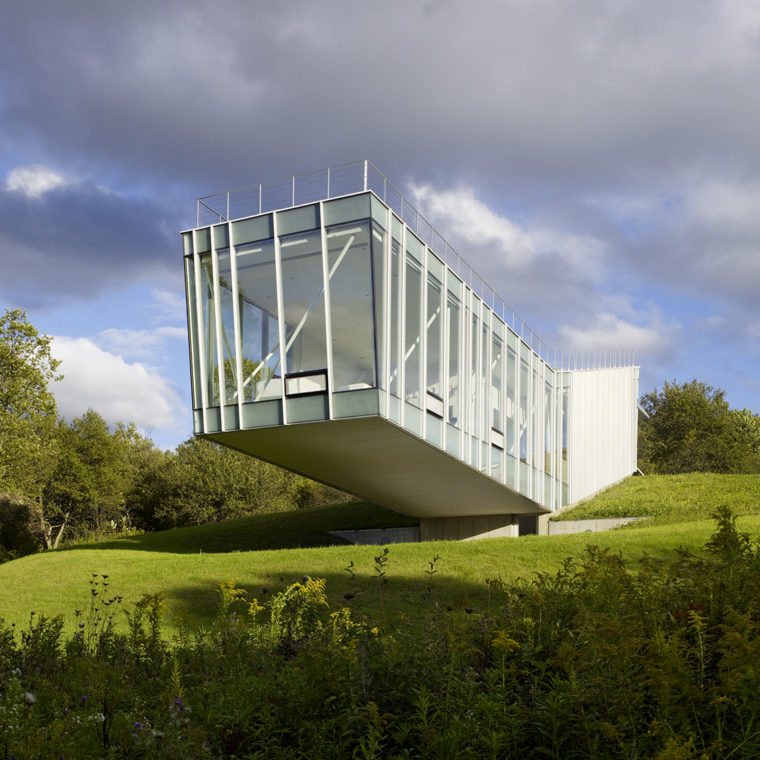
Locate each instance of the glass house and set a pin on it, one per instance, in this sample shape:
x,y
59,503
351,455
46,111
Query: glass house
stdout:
x,y
334,332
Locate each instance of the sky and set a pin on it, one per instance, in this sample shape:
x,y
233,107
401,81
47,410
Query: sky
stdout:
x,y
598,161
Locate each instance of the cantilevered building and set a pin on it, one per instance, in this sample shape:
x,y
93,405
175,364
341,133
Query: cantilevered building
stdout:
x,y
335,333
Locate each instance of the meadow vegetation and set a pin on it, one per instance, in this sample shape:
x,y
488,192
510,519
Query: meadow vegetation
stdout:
x,y
599,657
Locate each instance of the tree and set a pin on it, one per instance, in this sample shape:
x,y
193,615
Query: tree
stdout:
x,y
691,428
205,482
146,469
27,407
87,489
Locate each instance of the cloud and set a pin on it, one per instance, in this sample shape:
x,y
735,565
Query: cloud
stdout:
x,y
138,344
529,94
64,240
33,181
169,306
527,265
468,219
94,378
609,331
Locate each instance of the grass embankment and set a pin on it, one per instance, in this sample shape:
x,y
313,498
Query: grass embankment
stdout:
x,y
671,499
187,565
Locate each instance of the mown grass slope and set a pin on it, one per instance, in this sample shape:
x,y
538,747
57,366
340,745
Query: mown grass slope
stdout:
x,y
187,565
672,498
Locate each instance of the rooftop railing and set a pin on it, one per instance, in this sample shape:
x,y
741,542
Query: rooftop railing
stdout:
x,y
361,176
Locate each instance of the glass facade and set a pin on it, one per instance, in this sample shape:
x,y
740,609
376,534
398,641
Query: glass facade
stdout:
x,y
337,309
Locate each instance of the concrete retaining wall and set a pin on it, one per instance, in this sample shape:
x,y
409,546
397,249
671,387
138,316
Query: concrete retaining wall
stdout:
x,y
379,536
562,527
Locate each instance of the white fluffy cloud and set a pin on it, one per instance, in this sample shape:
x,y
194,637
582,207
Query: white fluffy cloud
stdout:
x,y
139,344
610,331
118,390
33,181
465,220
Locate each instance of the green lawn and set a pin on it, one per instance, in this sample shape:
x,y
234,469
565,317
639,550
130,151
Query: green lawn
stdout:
x,y
58,583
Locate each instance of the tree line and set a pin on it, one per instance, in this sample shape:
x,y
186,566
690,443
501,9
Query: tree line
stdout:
x,y
69,480
690,427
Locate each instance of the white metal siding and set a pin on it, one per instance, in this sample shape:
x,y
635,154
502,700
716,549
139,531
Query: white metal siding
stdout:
x,y
603,428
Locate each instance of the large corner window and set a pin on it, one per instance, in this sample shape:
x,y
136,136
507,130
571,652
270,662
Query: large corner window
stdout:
x,y
303,302
350,272
259,327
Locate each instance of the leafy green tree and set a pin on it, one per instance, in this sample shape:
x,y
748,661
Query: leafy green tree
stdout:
x,y
87,490
27,407
147,471
691,428
205,482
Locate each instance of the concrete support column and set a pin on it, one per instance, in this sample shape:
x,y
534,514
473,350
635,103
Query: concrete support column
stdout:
x,y
468,528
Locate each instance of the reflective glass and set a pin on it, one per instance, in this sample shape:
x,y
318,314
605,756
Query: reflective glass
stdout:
x,y
497,369
496,464
511,400
474,411
565,412
394,365
434,346
192,323
208,315
413,331
523,411
349,261
377,241
455,343
226,306
535,431
259,328
303,297
485,382
548,429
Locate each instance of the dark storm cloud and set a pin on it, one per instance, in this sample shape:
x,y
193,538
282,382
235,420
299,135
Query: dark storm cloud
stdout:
x,y
73,240
550,109
578,94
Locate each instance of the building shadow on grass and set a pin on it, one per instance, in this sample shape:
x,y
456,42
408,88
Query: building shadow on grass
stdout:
x,y
278,530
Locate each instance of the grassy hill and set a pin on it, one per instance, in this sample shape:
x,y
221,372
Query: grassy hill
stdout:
x,y
187,565
671,499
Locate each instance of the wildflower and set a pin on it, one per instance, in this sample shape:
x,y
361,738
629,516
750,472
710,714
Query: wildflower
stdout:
x,y
29,698
84,698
